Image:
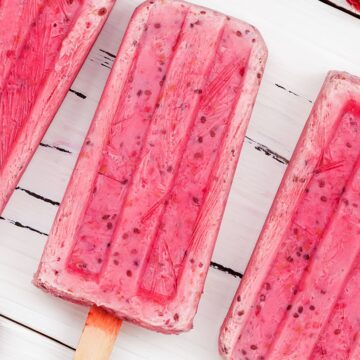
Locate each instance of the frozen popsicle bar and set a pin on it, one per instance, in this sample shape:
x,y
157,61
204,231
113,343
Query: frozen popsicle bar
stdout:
x,y
355,4
299,297
137,227
42,46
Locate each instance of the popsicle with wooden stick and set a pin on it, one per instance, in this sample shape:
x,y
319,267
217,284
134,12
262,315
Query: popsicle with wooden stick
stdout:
x,y
298,299
135,232
42,47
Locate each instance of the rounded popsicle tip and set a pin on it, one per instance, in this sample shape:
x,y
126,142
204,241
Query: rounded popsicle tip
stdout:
x,y
337,75
226,336
223,350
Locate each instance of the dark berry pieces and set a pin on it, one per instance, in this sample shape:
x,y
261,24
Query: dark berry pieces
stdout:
x,y
136,230
253,347
203,119
195,200
176,317
102,11
129,273
157,25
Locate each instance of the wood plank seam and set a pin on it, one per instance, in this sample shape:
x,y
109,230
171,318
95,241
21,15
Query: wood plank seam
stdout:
x,y
55,148
349,12
36,331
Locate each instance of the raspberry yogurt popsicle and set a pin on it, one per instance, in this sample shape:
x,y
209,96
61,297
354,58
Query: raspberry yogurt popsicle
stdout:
x,y
136,229
42,47
299,296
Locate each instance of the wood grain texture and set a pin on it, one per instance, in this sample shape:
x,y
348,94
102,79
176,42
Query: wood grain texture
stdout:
x,y
99,335
303,45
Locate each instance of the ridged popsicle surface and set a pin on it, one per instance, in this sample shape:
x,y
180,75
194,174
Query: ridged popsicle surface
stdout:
x,y
40,54
163,168
303,305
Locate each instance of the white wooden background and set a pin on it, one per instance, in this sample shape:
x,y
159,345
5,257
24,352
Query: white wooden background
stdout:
x,y
306,38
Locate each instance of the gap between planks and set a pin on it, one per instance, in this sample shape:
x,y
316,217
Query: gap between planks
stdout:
x,y
340,8
36,332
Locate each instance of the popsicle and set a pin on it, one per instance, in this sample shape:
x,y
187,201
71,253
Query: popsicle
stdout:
x,y
355,4
42,46
299,296
138,223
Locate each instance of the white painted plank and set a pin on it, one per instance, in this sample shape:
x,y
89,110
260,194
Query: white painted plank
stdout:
x,y
303,44
18,342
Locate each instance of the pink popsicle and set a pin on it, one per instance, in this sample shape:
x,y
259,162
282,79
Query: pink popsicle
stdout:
x,y
298,298
42,46
137,227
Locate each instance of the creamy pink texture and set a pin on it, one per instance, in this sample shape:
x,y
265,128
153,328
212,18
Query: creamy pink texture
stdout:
x,y
39,57
141,215
303,305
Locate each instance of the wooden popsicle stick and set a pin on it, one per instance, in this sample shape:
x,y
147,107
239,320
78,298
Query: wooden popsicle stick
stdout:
x,y
98,336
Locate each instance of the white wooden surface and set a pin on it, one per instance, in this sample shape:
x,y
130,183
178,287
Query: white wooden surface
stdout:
x,y
306,38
